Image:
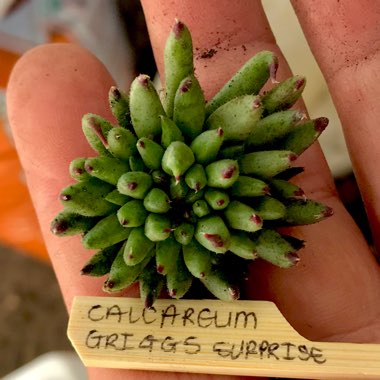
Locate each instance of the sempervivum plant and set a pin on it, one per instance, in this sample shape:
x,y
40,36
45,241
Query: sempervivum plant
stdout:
x,y
183,189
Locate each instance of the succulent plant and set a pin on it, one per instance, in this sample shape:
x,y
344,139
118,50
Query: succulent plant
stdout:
x,y
183,190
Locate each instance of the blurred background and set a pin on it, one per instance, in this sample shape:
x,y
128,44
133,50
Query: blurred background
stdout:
x,y
33,320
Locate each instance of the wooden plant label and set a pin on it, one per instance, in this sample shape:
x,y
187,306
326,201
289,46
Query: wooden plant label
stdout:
x,y
249,338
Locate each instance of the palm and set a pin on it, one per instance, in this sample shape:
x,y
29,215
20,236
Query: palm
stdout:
x,y
334,292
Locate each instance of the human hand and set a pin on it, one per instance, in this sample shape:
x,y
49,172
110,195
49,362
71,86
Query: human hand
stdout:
x,y
333,294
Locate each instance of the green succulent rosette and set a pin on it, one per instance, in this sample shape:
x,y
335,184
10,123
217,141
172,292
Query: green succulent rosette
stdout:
x,y
185,191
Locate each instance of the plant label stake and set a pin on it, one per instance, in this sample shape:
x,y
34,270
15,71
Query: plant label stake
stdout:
x,y
249,338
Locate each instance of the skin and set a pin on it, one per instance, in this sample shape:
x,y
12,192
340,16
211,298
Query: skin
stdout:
x,y
334,293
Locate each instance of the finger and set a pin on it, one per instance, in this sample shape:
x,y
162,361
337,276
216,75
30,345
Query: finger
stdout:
x,y
101,374
344,38
235,32
50,89
316,295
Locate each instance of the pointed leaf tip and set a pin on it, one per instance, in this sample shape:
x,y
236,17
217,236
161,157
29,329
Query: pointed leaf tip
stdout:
x,y
327,212
115,93
143,80
273,67
87,269
293,258
320,124
299,83
178,28
234,292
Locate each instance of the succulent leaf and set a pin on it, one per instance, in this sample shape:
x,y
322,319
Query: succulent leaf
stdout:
x,y
146,107
247,80
105,233
119,105
178,59
101,262
189,107
237,118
